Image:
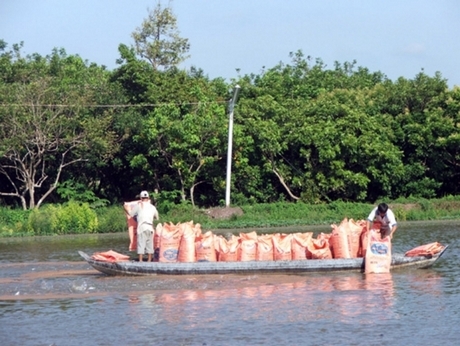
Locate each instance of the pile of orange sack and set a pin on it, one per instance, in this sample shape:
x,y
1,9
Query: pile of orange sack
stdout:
x,y
185,242
109,256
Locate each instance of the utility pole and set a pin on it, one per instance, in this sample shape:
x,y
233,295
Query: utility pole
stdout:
x,y
230,144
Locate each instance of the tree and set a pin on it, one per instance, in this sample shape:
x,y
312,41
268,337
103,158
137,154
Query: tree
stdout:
x,y
158,40
420,125
189,137
348,146
47,122
449,144
316,133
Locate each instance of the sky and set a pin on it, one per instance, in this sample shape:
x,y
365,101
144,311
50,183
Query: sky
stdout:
x,y
399,38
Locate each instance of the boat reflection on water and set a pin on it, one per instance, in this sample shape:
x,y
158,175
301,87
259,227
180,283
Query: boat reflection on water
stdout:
x,y
381,293
285,298
381,284
360,295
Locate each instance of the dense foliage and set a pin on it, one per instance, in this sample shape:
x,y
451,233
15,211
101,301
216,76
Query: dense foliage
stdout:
x,y
71,130
79,218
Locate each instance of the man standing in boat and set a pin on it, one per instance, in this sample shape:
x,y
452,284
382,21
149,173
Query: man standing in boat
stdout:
x,y
385,217
145,213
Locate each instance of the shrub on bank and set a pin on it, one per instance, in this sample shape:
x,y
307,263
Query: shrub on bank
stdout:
x,y
74,217
298,213
70,218
13,221
111,219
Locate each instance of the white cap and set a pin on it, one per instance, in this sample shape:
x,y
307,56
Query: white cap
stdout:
x,y
144,194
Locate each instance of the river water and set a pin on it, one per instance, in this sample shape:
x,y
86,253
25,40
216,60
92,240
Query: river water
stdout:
x,y
49,296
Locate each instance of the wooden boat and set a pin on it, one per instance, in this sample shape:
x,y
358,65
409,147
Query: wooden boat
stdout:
x,y
254,267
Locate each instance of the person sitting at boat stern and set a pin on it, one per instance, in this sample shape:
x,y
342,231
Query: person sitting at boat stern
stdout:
x,y
385,217
145,212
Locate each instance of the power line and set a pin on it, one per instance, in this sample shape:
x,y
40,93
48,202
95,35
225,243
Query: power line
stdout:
x,y
5,105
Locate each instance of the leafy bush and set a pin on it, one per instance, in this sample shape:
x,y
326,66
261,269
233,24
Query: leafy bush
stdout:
x,y
13,221
70,218
75,217
111,219
43,221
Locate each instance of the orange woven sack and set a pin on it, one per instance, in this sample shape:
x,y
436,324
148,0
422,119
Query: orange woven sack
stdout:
x,y
265,248
363,242
109,256
248,247
282,247
319,248
132,227
425,250
339,240
299,245
355,229
157,241
217,246
169,242
187,243
377,225
362,238
204,248
228,249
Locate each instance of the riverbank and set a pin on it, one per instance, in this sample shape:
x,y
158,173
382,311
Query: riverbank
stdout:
x,y
81,219
292,214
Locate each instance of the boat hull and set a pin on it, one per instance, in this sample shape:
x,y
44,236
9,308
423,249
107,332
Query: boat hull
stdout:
x,y
134,268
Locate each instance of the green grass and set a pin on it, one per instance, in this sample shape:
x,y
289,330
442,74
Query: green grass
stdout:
x,y
112,219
